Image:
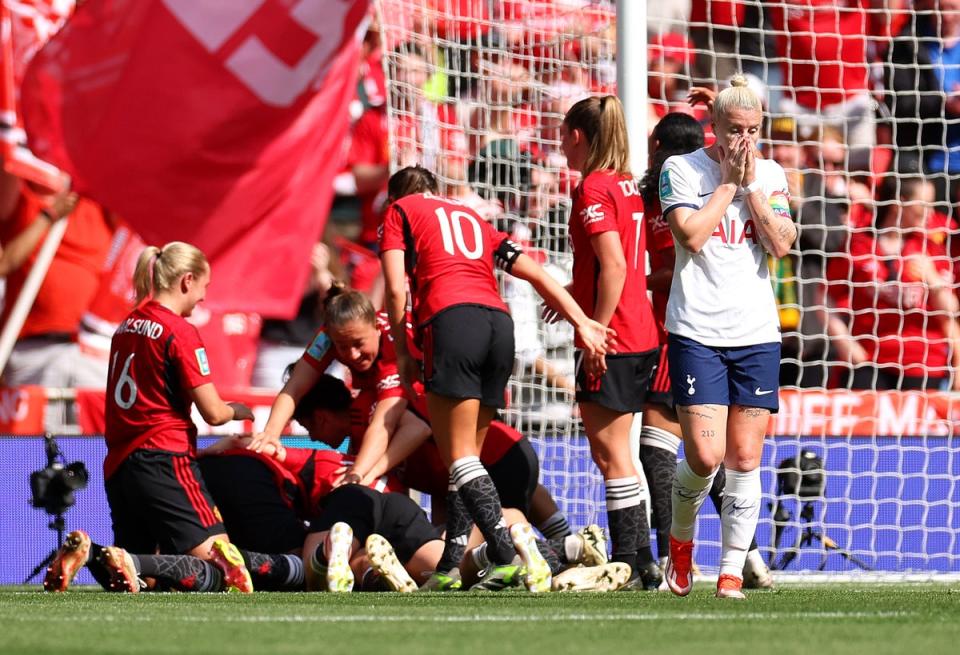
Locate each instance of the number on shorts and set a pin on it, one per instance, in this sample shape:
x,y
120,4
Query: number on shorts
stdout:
x,y
126,385
451,230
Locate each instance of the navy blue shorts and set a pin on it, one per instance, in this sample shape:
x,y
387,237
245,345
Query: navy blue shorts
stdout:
x,y
748,376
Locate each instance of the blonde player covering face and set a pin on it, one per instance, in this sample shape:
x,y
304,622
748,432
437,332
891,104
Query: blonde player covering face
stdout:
x,y
727,208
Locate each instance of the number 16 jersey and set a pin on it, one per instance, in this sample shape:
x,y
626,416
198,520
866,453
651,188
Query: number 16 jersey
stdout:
x,y
156,358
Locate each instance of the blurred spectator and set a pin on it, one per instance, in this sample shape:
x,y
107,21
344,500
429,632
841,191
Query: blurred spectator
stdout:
x,y
371,83
666,15
825,47
714,30
900,309
88,360
824,222
922,79
669,59
50,331
282,341
785,150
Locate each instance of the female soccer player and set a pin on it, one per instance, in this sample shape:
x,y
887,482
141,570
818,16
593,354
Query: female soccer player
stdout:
x,y
355,336
727,209
158,369
609,282
660,438
449,253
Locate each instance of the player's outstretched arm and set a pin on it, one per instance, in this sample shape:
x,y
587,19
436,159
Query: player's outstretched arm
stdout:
x,y
597,338
377,437
304,376
212,408
395,304
411,432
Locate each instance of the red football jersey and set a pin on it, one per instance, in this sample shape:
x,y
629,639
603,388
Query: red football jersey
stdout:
x,y
606,202
450,253
306,475
659,242
156,358
891,313
317,469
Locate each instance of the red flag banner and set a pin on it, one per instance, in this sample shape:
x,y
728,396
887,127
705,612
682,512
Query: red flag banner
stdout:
x,y
218,123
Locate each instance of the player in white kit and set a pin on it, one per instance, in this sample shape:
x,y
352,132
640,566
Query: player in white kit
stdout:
x,y
727,209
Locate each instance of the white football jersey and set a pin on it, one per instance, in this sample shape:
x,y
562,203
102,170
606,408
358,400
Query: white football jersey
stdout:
x,y
722,296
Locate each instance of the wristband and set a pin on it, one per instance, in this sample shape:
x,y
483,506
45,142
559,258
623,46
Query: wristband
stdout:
x,y
753,186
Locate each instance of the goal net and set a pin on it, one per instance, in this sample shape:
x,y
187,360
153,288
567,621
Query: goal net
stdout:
x,y
860,471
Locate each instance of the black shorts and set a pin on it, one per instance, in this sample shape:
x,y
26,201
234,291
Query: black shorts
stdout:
x,y
259,514
623,388
393,516
468,353
158,500
661,392
515,476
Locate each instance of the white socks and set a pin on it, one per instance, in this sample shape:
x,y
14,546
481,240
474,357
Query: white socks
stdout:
x,y
689,492
738,520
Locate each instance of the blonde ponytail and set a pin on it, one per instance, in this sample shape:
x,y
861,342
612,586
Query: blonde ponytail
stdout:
x,y
159,269
601,120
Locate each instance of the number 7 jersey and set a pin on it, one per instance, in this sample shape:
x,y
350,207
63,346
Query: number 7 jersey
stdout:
x,y
156,358
607,202
450,253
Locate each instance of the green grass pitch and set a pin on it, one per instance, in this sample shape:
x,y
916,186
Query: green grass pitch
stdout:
x,y
870,619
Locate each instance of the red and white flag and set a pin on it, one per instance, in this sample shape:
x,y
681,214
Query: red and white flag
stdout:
x,y
217,123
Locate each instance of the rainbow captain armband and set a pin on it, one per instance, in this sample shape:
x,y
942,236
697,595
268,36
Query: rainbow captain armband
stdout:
x,y
780,204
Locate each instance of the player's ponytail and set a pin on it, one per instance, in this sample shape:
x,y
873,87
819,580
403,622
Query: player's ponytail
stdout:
x,y
603,124
738,95
343,305
159,269
410,180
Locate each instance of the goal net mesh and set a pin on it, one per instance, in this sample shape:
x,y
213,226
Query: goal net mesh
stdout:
x,y
860,470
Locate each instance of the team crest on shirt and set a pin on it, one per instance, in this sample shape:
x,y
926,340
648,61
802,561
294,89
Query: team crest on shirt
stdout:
x,y
319,346
666,188
202,362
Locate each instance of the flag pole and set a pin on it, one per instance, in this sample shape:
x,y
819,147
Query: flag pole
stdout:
x,y
18,315
19,161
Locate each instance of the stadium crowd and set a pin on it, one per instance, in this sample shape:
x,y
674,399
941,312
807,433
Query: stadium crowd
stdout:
x,y
859,100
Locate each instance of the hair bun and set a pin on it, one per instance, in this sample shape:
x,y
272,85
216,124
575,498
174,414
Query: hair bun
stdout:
x,y
739,80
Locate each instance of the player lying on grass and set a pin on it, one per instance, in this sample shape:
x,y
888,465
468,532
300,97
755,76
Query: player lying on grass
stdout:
x,y
385,541
264,501
329,412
